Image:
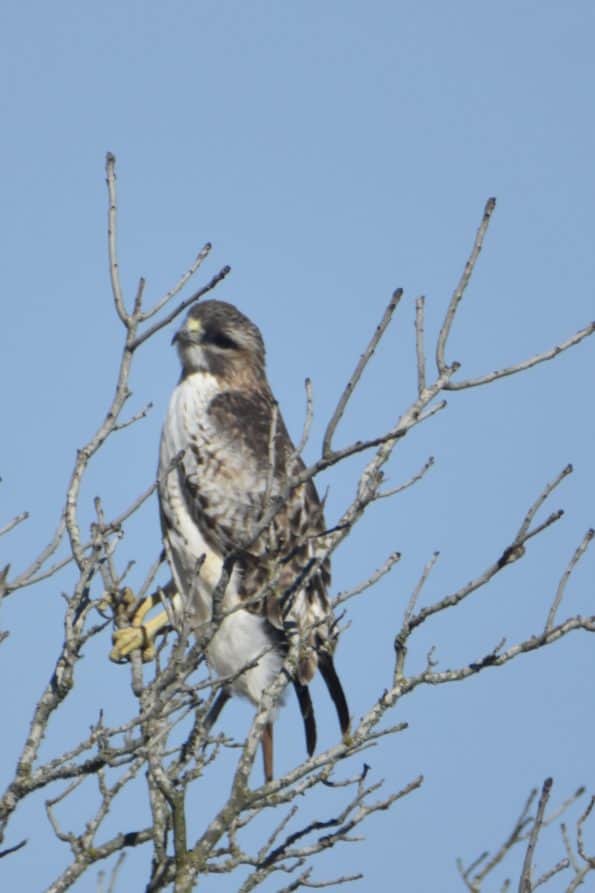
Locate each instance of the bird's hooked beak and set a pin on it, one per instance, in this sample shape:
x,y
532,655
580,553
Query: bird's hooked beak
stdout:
x,y
189,333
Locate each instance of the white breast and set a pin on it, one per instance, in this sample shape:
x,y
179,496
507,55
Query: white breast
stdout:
x,y
242,636
187,421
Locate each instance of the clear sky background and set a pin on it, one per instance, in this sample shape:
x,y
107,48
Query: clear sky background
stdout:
x,y
331,151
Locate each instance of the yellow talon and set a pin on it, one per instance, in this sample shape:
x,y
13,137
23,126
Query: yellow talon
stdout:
x,y
123,604
133,633
139,635
125,641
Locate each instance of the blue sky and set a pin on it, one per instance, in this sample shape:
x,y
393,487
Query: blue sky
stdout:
x,y
331,152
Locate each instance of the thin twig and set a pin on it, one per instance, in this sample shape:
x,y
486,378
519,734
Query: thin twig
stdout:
x,y
579,834
579,552
525,883
408,483
419,344
420,585
462,285
13,849
200,257
117,522
570,854
110,169
115,872
525,364
26,576
272,456
545,493
18,519
307,420
357,372
562,865
372,579
141,414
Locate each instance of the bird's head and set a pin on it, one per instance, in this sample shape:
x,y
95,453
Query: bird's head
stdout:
x,y
216,338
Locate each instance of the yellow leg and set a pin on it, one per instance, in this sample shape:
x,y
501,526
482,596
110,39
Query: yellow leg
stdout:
x,y
145,606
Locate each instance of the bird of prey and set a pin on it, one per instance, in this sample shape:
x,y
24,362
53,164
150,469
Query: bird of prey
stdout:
x,y
225,457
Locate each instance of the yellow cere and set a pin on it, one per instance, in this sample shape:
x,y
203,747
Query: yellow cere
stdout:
x,y
194,325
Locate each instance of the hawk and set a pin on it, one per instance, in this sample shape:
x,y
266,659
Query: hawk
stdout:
x,y
225,455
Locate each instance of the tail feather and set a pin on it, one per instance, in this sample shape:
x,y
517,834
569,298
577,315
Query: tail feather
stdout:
x,y
267,751
216,708
307,711
335,689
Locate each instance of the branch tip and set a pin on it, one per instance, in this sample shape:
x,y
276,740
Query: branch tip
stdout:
x,y
363,361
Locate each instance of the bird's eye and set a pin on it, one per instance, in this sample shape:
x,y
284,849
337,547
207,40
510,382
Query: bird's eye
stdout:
x,y
219,339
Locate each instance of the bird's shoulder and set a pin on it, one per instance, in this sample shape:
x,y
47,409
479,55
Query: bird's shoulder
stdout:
x,y
251,419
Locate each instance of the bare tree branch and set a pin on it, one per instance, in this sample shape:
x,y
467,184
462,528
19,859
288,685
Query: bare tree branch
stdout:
x,y
525,883
110,170
578,554
357,372
462,285
183,280
524,364
18,519
419,344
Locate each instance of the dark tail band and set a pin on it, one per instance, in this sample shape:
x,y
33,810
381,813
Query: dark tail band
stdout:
x,y
307,711
335,689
